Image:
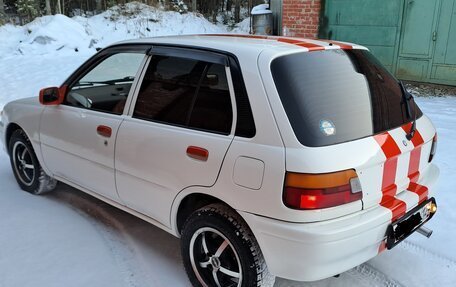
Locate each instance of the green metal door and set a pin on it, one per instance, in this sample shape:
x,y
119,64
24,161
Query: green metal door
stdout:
x,y
444,64
418,35
414,39
371,23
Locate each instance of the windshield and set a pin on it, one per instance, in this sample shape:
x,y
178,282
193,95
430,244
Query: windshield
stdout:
x,y
335,96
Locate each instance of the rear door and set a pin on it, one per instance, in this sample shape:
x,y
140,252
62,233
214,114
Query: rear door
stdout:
x,y
178,131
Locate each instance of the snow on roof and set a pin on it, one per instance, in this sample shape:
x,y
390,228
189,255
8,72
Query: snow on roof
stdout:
x,y
261,9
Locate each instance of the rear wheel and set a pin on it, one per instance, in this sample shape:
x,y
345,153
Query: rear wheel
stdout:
x,y
27,170
218,249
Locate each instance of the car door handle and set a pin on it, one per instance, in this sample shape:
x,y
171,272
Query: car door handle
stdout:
x,y
197,153
104,131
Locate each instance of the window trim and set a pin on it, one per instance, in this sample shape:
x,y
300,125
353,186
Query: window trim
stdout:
x,y
192,54
240,90
95,60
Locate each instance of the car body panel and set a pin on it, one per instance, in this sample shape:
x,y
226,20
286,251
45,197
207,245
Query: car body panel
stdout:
x,y
25,113
365,155
73,149
156,165
314,251
144,169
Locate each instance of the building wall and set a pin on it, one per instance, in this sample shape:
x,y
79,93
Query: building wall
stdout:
x,y
415,40
300,18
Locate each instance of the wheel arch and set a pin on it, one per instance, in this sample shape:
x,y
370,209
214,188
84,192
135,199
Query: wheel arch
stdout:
x,y
186,204
10,129
14,126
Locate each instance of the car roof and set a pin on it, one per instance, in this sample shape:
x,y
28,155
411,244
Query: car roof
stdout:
x,y
251,44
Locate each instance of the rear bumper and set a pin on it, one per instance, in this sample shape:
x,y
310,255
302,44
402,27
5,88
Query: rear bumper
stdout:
x,y
314,251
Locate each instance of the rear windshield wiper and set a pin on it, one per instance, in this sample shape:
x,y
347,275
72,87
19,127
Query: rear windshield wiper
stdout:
x,y
406,97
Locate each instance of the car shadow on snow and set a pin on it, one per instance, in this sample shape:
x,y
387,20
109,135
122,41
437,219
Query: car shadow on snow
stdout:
x,y
149,256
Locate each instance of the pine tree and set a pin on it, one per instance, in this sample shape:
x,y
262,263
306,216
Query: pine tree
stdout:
x,y
27,8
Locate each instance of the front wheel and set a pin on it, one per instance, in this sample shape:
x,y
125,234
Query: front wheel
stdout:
x,y
28,172
218,249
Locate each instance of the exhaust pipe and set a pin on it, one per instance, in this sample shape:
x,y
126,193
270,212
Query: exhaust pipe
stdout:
x,y
424,231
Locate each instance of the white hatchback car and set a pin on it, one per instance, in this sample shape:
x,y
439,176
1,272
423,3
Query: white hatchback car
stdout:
x,y
268,156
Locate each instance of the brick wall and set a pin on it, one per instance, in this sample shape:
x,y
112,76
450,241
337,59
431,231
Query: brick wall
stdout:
x,y
300,18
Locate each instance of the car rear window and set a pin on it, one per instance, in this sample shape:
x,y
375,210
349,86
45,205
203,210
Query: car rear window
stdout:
x,y
334,96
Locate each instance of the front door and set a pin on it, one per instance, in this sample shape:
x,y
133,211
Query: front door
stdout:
x,y
78,137
179,130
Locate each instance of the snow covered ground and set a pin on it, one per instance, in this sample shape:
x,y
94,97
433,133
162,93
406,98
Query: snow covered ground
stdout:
x,y
68,238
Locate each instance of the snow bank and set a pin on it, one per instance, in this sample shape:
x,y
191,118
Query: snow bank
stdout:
x,y
243,27
54,33
137,20
60,34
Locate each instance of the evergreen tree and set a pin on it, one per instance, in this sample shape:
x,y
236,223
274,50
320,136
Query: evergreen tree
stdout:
x,y
27,8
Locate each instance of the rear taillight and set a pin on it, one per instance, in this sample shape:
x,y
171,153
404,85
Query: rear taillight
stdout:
x,y
433,148
316,191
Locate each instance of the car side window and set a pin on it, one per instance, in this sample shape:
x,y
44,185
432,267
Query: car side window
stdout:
x,y
212,109
185,92
105,87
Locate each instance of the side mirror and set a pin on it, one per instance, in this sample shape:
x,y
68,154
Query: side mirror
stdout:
x,y
52,96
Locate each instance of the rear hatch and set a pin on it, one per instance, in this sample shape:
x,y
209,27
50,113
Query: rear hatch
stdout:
x,y
346,111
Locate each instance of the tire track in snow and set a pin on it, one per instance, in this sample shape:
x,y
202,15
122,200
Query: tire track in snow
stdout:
x,y
117,242
366,273
419,250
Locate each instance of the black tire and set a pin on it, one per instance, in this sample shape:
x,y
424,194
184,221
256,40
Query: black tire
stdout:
x,y
240,262
26,168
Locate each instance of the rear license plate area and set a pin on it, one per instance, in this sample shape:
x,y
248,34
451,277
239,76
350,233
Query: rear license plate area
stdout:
x,y
409,223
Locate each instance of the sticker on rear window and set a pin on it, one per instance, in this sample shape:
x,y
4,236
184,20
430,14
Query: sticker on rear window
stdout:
x,y
327,127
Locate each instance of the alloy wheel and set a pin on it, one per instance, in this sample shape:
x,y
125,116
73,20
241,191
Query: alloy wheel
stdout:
x,y
23,164
214,259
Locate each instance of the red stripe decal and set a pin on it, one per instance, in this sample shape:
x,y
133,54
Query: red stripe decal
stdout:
x,y
289,40
389,188
237,36
421,190
382,246
293,41
397,206
417,139
414,165
391,150
311,46
300,43
388,145
413,170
